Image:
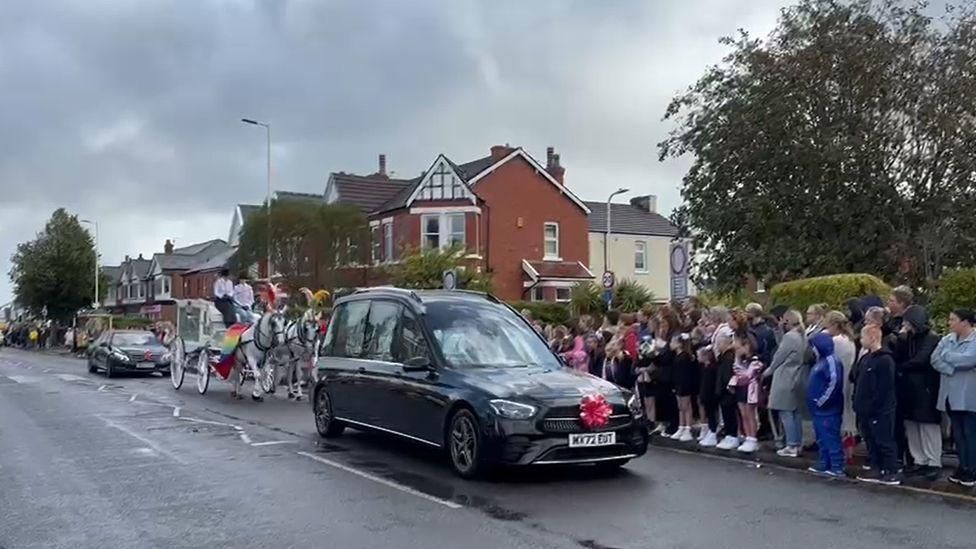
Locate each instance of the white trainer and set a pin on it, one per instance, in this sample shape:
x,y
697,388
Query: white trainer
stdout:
x,y
729,443
686,435
710,440
749,446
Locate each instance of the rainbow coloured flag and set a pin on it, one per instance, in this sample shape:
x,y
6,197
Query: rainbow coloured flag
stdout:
x,y
227,348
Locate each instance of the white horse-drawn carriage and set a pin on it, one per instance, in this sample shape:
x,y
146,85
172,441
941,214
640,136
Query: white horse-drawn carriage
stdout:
x,y
264,349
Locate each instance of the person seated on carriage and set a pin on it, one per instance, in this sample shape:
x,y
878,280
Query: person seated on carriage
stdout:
x,y
223,291
244,293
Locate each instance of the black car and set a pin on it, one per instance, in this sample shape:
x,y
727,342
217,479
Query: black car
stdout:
x,y
118,351
464,372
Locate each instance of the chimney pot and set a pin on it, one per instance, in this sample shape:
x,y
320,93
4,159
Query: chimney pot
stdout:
x,y
499,152
168,247
555,169
382,164
140,256
549,154
648,202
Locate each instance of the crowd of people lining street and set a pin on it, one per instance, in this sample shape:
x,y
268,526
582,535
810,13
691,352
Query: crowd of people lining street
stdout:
x,y
876,373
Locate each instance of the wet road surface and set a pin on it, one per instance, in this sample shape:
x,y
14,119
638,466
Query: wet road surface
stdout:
x,y
87,461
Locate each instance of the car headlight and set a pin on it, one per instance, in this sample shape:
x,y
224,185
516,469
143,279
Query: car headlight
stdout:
x,y
634,405
512,410
120,357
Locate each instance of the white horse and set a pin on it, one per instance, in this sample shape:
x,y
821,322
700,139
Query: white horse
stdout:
x,y
256,344
300,340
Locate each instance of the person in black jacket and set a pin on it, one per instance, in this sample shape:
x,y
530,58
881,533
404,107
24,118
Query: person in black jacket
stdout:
x,y
917,386
874,404
724,363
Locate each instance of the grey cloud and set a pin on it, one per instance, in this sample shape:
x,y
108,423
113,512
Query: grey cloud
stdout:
x,y
128,112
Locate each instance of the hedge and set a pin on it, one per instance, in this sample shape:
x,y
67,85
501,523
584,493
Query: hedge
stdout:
x,y
955,289
546,312
833,290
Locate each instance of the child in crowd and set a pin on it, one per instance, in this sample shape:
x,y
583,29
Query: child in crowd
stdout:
x,y
708,400
575,355
685,379
825,398
745,385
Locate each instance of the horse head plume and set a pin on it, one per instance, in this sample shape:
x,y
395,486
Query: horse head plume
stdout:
x,y
309,298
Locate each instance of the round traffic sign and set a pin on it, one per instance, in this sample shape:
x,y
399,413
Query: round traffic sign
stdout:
x,y
609,280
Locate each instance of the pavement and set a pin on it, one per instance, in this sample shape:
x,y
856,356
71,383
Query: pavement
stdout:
x,y
129,462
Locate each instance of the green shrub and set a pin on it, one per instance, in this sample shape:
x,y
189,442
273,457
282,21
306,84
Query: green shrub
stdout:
x,y
586,298
546,312
731,300
629,296
131,323
833,290
955,289
424,269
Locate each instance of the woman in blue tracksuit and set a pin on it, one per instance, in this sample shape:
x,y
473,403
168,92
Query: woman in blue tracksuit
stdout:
x,y
825,398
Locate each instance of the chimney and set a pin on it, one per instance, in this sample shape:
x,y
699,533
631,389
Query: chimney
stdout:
x,y
648,202
549,151
499,152
168,247
140,256
382,171
555,169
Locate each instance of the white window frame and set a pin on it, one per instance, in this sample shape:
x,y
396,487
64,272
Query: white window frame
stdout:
x,y
388,241
640,250
565,299
537,294
546,256
444,232
375,246
167,284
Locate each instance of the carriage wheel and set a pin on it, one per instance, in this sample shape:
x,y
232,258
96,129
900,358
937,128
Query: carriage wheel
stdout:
x,y
203,371
177,364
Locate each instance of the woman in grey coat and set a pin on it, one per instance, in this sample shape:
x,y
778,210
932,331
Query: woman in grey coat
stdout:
x,y
789,372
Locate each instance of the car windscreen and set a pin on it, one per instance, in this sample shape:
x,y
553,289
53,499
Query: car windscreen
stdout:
x,y
135,340
484,334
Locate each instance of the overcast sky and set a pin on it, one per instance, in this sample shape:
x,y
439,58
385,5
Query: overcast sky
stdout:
x,y
128,112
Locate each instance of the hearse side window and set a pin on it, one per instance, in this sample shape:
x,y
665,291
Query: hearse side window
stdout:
x,y
412,341
380,328
350,326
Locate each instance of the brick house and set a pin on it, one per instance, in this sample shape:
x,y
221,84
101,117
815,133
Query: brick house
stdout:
x,y
150,287
516,219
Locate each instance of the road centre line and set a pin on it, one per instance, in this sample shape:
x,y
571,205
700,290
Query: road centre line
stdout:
x,y
383,481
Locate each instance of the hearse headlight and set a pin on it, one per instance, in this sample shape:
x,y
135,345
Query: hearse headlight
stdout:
x,y
634,405
512,410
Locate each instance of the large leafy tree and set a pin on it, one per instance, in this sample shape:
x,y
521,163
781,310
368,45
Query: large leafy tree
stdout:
x,y
310,240
55,270
844,142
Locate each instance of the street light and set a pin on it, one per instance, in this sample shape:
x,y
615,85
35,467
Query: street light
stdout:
x,y
97,270
267,128
606,262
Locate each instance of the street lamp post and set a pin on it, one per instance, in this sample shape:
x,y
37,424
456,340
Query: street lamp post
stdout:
x,y
267,128
97,270
606,237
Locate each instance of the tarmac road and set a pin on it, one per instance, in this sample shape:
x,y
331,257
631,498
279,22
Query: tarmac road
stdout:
x,y
129,462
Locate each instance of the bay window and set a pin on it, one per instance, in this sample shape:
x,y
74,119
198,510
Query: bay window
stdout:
x,y
442,230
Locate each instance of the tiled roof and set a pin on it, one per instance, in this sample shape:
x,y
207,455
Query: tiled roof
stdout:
x,y
366,192
628,219
113,272
193,249
475,167
291,195
539,270
213,263
140,267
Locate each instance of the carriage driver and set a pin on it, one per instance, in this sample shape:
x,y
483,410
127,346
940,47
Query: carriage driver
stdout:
x,y
223,290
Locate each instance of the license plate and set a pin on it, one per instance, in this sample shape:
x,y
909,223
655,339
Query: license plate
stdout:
x,y
146,365
584,440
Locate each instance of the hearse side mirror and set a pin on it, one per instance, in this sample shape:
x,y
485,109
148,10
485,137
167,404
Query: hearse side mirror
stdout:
x,y
418,364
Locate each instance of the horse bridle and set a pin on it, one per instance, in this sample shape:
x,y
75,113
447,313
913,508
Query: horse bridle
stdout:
x,y
274,334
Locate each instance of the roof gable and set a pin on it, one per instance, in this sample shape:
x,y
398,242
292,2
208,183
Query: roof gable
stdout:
x,y
442,181
520,153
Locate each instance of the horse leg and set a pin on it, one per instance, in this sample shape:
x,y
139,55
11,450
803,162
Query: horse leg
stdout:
x,y
257,371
